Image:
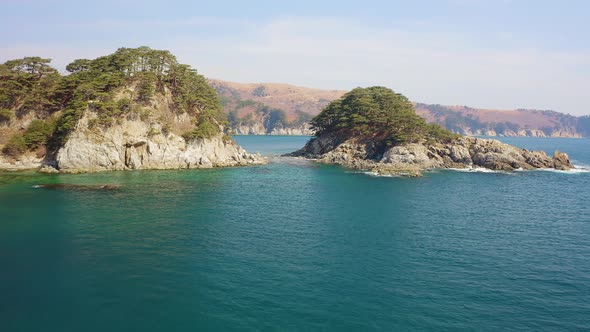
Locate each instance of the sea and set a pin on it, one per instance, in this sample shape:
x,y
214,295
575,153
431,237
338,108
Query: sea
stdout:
x,y
298,246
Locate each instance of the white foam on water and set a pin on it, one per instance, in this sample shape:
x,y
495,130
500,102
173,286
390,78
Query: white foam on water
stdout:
x,y
375,174
476,170
578,169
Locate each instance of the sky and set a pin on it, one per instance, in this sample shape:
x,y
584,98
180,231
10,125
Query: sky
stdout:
x,y
499,54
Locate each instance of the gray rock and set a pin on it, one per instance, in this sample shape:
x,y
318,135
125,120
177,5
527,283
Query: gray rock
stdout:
x,y
412,159
133,145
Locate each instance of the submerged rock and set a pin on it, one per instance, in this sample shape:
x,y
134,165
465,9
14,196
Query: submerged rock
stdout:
x,y
90,187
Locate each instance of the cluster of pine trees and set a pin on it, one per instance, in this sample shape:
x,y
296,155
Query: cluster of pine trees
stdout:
x,y
31,85
379,114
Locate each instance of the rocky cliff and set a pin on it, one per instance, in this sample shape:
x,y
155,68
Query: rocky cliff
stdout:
x,y
135,144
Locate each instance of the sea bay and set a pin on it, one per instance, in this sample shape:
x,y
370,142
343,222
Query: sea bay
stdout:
x,y
294,245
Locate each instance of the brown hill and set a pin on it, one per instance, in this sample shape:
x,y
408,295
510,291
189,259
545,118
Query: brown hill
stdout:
x,y
261,108
290,98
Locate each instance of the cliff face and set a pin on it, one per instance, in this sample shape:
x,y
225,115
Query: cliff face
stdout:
x,y
135,144
412,159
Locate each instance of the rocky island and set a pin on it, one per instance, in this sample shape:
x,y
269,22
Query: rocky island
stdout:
x,y
134,109
378,130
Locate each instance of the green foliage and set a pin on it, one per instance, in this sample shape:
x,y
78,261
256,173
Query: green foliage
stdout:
x,y
248,102
166,129
224,100
232,118
144,114
30,84
153,132
436,132
151,72
146,87
124,105
227,138
302,118
15,146
64,125
259,91
78,65
6,115
38,133
274,117
376,113
204,129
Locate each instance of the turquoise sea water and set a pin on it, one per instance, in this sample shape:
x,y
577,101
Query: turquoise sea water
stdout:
x,y
298,246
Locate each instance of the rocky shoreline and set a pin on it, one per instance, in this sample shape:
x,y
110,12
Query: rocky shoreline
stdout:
x,y
415,158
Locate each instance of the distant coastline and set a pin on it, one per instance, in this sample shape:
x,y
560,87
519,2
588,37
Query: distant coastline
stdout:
x,y
275,108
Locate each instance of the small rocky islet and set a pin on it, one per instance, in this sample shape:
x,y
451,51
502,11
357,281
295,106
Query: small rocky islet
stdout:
x,y
137,108
377,130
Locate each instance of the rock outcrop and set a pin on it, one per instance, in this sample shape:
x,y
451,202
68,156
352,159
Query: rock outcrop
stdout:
x,y
135,144
24,162
132,144
412,159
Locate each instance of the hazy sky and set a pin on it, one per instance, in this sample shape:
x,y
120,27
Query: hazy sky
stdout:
x,y
493,54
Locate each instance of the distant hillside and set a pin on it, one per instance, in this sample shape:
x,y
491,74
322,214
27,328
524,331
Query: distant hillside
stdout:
x,y
273,108
521,122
